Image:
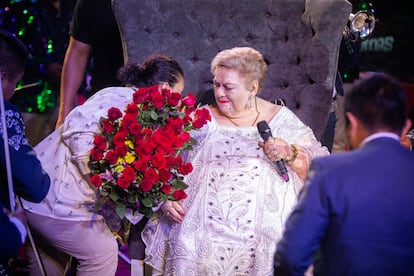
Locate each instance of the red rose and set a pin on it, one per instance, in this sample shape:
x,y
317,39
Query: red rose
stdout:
x,y
201,117
147,131
145,185
174,161
153,90
112,157
123,182
96,154
147,147
140,95
175,123
179,194
174,98
164,175
186,168
122,128
166,189
129,173
120,136
135,128
151,175
100,142
128,120
108,126
165,92
158,100
132,109
142,164
96,180
176,142
162,142
198,123
185,137
189,100
121,149
189,110
114,113
187,118
158,161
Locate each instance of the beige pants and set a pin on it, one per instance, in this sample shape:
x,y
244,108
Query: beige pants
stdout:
x,y
91,243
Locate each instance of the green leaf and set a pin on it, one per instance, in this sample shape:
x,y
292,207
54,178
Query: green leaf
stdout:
x,y
146,115
164,197
181,114
104,192
154,115
120,210
178,184
163,116
148,212
147,202
114,195
98,204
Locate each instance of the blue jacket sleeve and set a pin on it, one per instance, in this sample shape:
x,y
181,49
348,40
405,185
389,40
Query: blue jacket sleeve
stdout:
x,y
10,238
305,227
30,181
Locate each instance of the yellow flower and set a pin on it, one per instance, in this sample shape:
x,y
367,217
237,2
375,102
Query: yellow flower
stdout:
x,y
129,143
129,157
119,168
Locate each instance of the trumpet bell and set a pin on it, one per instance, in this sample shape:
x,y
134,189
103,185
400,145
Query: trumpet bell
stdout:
x,y
362,24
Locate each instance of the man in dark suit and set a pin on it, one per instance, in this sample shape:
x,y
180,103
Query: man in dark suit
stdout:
x,y
357,206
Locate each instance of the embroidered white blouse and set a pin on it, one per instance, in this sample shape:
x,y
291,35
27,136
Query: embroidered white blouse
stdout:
x,y
65,154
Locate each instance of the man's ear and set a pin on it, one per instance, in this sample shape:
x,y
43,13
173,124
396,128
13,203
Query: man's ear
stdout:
x,y
404,139
353,121
353,131
407,127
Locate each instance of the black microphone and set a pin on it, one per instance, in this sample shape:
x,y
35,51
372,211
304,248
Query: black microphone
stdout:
x,y
266,133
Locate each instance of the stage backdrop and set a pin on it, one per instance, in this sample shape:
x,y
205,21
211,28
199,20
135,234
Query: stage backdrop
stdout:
x,y
299,40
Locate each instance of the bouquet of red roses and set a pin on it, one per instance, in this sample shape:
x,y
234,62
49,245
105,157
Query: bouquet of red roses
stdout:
x,y
136,160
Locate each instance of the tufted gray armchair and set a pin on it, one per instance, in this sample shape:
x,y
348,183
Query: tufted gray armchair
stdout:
x,y
299,40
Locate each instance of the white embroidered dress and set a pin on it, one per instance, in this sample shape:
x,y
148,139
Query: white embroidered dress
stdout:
x,y
237,203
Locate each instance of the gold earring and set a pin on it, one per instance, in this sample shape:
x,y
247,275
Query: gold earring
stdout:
x,y
250,102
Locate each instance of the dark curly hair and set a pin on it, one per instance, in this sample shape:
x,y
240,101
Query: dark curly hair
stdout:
x,y
154,70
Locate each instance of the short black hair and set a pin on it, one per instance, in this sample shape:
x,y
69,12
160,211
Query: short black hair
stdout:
x,y
379,102
13,54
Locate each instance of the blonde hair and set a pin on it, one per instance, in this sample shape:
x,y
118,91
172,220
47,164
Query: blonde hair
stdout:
x,y
245,60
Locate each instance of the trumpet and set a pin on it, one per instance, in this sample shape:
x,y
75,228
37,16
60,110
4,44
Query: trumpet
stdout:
x,y
361,25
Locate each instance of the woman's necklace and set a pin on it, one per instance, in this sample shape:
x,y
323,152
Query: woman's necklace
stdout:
x,y
255,120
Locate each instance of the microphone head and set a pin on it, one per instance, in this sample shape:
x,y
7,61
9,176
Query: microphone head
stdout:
x,y
264,130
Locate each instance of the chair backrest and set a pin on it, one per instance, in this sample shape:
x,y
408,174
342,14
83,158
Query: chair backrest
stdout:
x,y
299,40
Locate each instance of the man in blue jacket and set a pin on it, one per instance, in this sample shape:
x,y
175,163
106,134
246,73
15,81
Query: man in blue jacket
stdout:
x,y
29,179
357,206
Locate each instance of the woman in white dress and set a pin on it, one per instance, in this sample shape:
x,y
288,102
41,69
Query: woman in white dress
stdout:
x,y
237,202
